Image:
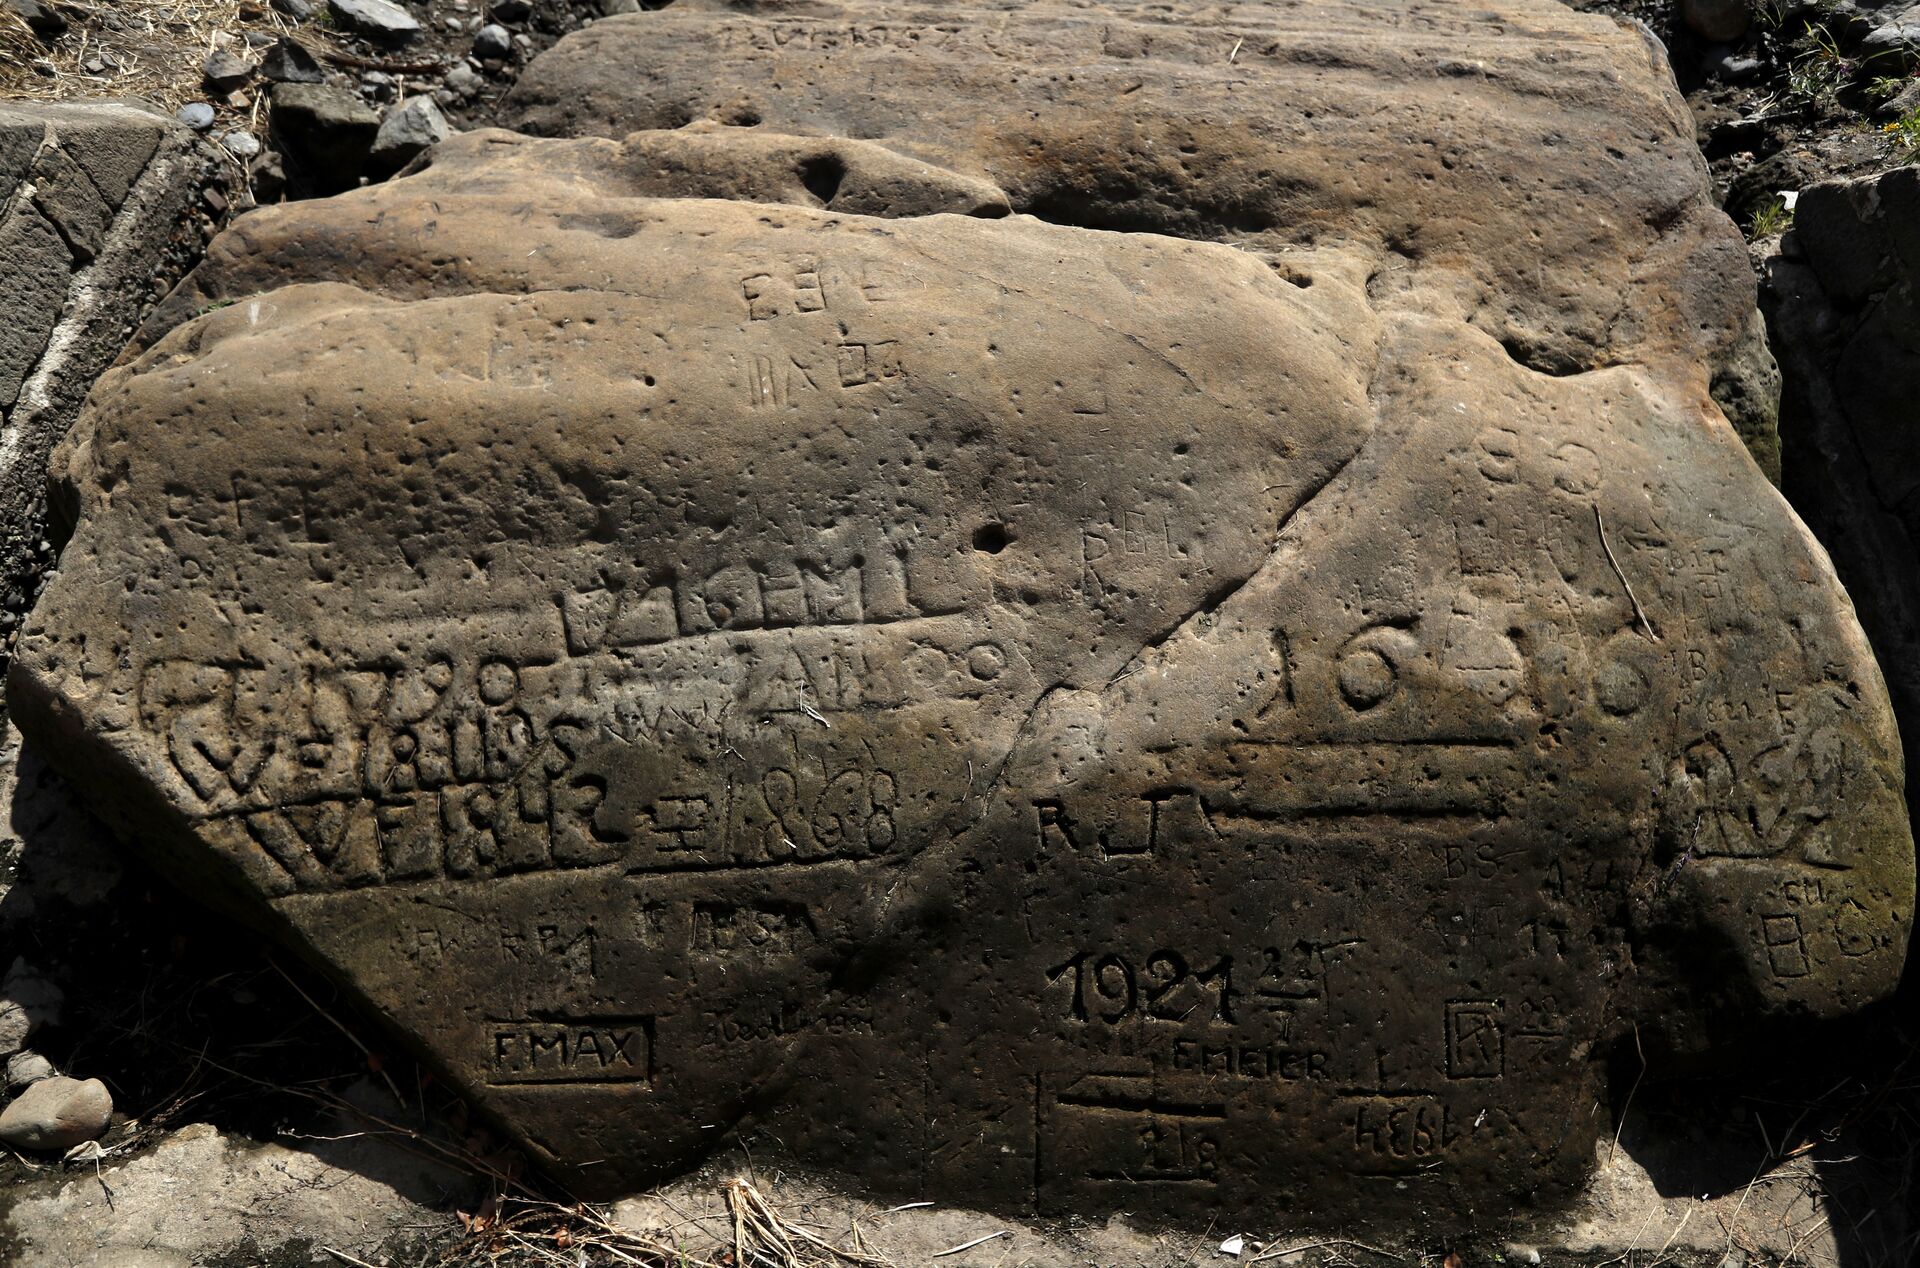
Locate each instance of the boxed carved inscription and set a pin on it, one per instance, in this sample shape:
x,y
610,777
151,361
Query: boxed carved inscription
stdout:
x,y
1068,719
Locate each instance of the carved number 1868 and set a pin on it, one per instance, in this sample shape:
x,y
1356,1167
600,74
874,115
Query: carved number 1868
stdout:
x,y
1107,986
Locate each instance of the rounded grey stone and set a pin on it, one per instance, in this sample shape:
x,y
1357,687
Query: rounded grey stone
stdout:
x,y
226,71
289,63
241,144
15,1026
494,42
464,80
28,1067
197,115
27,989
53,1115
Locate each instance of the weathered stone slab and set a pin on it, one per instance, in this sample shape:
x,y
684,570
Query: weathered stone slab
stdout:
x,y
1526,167
1072,719
1841,296
91,197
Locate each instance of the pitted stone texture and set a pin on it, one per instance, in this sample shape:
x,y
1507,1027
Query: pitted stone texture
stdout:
x,y
1070,719
1519,166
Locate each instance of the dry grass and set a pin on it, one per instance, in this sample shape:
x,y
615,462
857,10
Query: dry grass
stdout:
x,y
18,47
535,1232
153,49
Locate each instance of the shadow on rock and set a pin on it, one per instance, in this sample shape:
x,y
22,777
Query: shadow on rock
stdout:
x,y
1806,1136
233,1071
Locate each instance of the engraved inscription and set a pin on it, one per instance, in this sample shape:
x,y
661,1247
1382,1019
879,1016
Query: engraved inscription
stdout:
x,y
792,288
1088,721
1116,1130
1110,988
1476,1045
597,1051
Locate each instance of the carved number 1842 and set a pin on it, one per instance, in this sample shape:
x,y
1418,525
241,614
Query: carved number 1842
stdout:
x,y
1109,987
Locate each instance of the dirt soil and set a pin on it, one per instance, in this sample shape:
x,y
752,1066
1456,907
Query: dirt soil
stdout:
x,y
155,51
1797,100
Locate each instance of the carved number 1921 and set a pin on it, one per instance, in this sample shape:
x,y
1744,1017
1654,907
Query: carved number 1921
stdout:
x,y
1109,987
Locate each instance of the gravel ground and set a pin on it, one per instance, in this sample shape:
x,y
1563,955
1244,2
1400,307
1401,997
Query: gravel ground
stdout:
x,y
1800,98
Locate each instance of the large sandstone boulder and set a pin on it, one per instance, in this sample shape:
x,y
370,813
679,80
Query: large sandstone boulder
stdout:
x,y
1523,168
727,632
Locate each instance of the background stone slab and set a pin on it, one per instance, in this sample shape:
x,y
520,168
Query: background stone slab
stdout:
x,y
1840,297
91,199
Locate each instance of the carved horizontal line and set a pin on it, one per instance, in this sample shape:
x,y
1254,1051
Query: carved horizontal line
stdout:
x,y
1434,741
1476,814
1777,856
736,865
636,1080
1140,1105
1397,810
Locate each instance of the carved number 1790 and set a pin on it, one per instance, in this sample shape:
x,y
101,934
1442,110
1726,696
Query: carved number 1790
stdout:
x,y
1108,986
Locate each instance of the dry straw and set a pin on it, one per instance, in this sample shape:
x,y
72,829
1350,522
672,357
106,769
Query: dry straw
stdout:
x,y
152,50
536,1232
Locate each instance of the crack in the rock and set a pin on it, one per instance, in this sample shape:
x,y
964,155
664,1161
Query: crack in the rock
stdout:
x,y
1220,595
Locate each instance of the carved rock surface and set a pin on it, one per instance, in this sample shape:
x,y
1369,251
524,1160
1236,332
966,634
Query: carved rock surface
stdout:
x,y
1525,168
708,640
